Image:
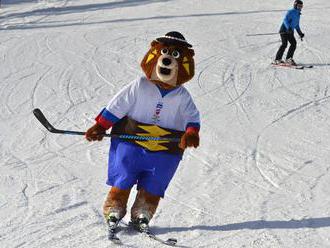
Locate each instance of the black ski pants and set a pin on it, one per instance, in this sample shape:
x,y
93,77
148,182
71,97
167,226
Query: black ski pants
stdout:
x,y
285,37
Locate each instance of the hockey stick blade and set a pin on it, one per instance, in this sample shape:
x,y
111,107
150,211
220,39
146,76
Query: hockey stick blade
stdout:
x,y
40,116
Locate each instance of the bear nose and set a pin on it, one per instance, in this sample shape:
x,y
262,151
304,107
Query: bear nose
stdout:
x,y
166,61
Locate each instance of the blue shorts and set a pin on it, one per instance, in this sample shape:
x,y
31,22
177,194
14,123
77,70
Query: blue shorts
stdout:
x,y
131,164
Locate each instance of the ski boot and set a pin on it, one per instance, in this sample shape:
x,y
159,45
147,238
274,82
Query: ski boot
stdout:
x,y
277,62
113,222
290,61
141,223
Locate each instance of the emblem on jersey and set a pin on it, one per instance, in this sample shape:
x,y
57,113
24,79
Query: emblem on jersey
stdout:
x,y
130,126
156,116
154,131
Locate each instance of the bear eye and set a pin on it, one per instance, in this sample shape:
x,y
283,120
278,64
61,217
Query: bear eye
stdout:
x,y
175,54
164,51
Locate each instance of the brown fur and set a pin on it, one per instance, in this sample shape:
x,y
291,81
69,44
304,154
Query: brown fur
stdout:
x,y
116,201
96,132
189,139
145,203
185,60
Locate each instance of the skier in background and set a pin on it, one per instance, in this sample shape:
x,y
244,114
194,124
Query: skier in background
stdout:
x,y
290,22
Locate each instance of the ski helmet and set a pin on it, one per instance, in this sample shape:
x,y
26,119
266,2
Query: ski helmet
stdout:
x,y
296,2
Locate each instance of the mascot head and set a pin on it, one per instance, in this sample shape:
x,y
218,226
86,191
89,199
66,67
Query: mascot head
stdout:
x,y
169,62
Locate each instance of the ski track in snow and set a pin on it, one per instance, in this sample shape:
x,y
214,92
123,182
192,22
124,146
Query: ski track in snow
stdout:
x,y
261,175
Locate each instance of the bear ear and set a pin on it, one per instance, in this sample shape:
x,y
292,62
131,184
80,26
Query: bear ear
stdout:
x,y
154,43
191,52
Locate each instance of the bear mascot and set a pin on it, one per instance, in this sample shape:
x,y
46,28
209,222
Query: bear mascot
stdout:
x,y
155,105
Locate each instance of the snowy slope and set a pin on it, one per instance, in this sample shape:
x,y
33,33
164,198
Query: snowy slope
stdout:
x,y
261,176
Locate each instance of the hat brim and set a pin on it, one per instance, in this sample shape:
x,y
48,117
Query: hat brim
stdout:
x,y
170,41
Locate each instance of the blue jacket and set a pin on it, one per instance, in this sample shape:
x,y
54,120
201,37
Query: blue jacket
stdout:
x,y
291,21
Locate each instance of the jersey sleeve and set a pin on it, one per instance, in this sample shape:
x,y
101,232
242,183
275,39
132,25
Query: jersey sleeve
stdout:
x,y
190,113
118,106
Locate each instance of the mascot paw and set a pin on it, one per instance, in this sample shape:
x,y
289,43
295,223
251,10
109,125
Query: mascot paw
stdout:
x,y
189,139
96,132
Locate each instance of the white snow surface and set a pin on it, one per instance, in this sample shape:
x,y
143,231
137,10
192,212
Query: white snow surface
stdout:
x,y
261,176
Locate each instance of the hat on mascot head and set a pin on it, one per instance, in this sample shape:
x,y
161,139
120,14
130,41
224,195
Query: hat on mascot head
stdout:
x,y
174,38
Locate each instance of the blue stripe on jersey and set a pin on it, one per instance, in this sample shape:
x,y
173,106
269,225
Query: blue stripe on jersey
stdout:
x,y
164,92
109,116
193,124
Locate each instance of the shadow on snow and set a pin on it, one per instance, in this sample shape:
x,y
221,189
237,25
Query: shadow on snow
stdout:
x,y
7,2
79,8
255,225
316,64
91,7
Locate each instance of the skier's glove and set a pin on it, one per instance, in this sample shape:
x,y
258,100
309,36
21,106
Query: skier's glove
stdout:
x,y
189,138
96,132
302,35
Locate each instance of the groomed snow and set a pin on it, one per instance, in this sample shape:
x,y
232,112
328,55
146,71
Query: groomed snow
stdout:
x,y
261,177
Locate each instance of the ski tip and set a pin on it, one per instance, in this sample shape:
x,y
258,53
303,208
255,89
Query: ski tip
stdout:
x,y
115,240
171,241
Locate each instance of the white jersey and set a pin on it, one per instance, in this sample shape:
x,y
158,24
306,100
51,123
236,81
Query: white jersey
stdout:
x,y
142,101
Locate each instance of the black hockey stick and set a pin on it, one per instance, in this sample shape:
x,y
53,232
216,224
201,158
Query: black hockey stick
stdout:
x,y
40,116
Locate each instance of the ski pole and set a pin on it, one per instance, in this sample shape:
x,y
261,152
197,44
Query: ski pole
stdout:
x,y
42,119
261,34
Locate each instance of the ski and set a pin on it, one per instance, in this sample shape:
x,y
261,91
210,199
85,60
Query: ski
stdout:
x,y
169,241
145,230
112,232
113,237
298,67
307,66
